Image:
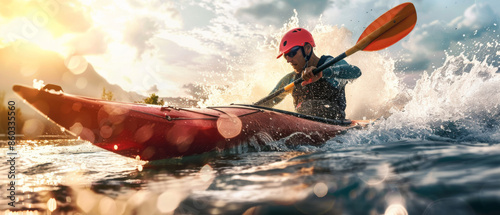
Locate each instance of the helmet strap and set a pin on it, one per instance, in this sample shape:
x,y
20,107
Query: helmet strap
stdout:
x,y
306,57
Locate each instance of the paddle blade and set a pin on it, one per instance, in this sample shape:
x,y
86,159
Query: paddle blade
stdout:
x,y
403,17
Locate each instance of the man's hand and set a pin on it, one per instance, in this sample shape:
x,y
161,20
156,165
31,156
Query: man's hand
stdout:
x,y
309,77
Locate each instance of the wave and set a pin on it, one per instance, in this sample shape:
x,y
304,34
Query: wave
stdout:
x,y
457,102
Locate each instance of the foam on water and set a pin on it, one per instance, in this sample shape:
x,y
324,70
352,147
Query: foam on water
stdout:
x,y
456,102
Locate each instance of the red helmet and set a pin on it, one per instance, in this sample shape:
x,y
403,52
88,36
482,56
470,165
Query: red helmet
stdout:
x,y
295,37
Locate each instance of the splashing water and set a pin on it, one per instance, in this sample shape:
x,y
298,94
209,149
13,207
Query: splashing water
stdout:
x,y
457,102
369,96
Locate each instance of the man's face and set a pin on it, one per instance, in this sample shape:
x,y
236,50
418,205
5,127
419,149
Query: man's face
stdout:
x,y
297,61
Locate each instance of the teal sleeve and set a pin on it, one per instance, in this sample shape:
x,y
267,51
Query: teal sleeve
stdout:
x,y
342,70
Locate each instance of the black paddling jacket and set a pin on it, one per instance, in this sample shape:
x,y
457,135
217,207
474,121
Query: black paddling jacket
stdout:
x,y
331,87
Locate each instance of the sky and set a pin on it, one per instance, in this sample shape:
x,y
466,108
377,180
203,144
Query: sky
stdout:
x,y
161,46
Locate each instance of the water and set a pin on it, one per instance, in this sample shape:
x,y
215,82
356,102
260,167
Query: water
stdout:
x,y
437,154
407,176
433,150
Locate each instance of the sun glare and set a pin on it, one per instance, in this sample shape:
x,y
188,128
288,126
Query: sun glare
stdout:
x,y
24,29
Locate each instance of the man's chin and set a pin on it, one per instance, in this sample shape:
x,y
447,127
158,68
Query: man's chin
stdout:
x,y
296,70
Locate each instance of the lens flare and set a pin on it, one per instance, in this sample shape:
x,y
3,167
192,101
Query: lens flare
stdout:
x,y
33,128
52,204
144,133
229,126
76,64
107,206
85,200
169,200
396,209
106,131
206,173
320,189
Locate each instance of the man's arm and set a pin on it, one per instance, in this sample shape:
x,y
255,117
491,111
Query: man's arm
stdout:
x,y
342,70
281,84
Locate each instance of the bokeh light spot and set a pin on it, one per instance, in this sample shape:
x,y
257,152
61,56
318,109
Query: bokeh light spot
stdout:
x,y
76,106
76,64
76,128
144,133
29,70
229,126
320,189
181,136
81,83
52,204
396,209
206,173
168,201
33,128
148,152
107,206
85,200
106,131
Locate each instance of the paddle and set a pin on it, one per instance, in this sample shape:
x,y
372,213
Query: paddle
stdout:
x,y
386,30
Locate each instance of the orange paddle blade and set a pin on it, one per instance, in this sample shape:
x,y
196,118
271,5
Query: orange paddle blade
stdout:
x,y
399,22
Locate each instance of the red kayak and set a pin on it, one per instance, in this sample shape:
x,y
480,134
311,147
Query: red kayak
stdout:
x,y
151,132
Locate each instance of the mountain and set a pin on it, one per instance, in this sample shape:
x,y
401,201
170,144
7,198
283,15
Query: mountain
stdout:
x,y
21,63
24,62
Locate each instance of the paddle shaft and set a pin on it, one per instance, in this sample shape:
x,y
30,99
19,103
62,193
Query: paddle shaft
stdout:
x,y
300,80
360,45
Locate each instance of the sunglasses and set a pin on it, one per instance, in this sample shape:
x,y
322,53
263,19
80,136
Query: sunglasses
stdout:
x,y
293,51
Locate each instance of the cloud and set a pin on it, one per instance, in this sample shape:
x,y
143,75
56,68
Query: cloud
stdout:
x,y
153,89
194,16
476,17
276,11
432,39
138,33
70,15
92,42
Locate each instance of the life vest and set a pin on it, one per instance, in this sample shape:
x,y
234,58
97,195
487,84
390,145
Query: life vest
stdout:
x,y
321,90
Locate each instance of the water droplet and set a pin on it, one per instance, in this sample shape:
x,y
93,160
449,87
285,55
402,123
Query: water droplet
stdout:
x,y
52,204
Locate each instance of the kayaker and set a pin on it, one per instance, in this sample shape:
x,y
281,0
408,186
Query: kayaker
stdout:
x,y
322,95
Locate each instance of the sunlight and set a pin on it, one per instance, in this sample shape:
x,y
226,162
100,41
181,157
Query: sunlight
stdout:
x,y
33,31
87,2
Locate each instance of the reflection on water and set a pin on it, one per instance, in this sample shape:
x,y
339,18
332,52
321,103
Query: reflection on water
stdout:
x,y
72,176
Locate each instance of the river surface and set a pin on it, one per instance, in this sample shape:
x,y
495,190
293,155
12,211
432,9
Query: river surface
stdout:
x,y
409,176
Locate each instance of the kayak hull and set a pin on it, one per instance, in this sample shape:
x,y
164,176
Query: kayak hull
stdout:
x,y
153,132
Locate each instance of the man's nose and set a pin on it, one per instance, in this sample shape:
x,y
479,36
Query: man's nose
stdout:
x,y
288,59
